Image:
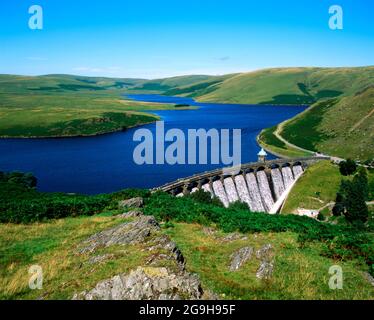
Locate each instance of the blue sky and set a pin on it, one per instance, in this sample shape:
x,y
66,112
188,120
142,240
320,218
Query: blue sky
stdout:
x,y
151,39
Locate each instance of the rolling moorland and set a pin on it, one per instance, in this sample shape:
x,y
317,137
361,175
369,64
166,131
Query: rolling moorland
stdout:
x,y
50,229
339,121
61,105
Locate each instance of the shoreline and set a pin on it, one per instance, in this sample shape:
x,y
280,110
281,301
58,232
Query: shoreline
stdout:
x,y
257,104
284,155
80,135
146,112
157,118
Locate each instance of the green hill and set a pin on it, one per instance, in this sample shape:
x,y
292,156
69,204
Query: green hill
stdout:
x,y
282,85
343,128
65,105
162,86
80,241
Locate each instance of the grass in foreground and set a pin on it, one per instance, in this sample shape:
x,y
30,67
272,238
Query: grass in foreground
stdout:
x,y
305,248
52,246
299,273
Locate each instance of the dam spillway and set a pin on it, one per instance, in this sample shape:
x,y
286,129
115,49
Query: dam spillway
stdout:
x,y
260,185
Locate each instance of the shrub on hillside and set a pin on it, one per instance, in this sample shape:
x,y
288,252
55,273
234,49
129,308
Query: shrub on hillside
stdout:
x,y
204,197
339,206
24,179
342,241
21,203
53,206
347,167
351,199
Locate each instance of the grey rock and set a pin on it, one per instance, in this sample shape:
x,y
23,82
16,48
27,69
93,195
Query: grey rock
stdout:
x,y
130,214
265,271
234,236
265,253
127,233
369,278
227,238
146,284
240,257
100,258
209,231
164,242
131,203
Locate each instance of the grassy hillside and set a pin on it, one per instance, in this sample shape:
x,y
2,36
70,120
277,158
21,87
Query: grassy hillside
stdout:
x,y
200,88
344,127
290,85
269,141
63,105
163,86
316,188
340,121
206,233
299,273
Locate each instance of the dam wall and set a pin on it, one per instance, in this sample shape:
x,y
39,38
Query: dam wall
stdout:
x,y
261,185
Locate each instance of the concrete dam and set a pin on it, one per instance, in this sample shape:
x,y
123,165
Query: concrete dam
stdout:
x,y
262,185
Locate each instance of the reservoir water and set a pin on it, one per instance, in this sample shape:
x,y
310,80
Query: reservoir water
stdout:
x,y
104,163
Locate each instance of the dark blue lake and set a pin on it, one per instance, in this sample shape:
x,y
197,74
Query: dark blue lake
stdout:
x,y
105,163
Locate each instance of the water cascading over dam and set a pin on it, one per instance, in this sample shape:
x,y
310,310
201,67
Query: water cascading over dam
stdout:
x,y
258,190
262,186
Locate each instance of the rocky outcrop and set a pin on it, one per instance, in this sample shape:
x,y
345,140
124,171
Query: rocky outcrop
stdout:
x,y
150,281
134,232
265,271
146,284
240,257
100,258
233,236
265,253
131,203
266,256
164,243
130,214
209,231
369,278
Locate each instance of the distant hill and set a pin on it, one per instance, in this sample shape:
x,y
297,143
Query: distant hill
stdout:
x,y
341,127
68,105
279,86
163,86
61,82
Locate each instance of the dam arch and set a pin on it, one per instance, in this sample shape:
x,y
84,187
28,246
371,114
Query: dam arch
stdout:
x,y
263,186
